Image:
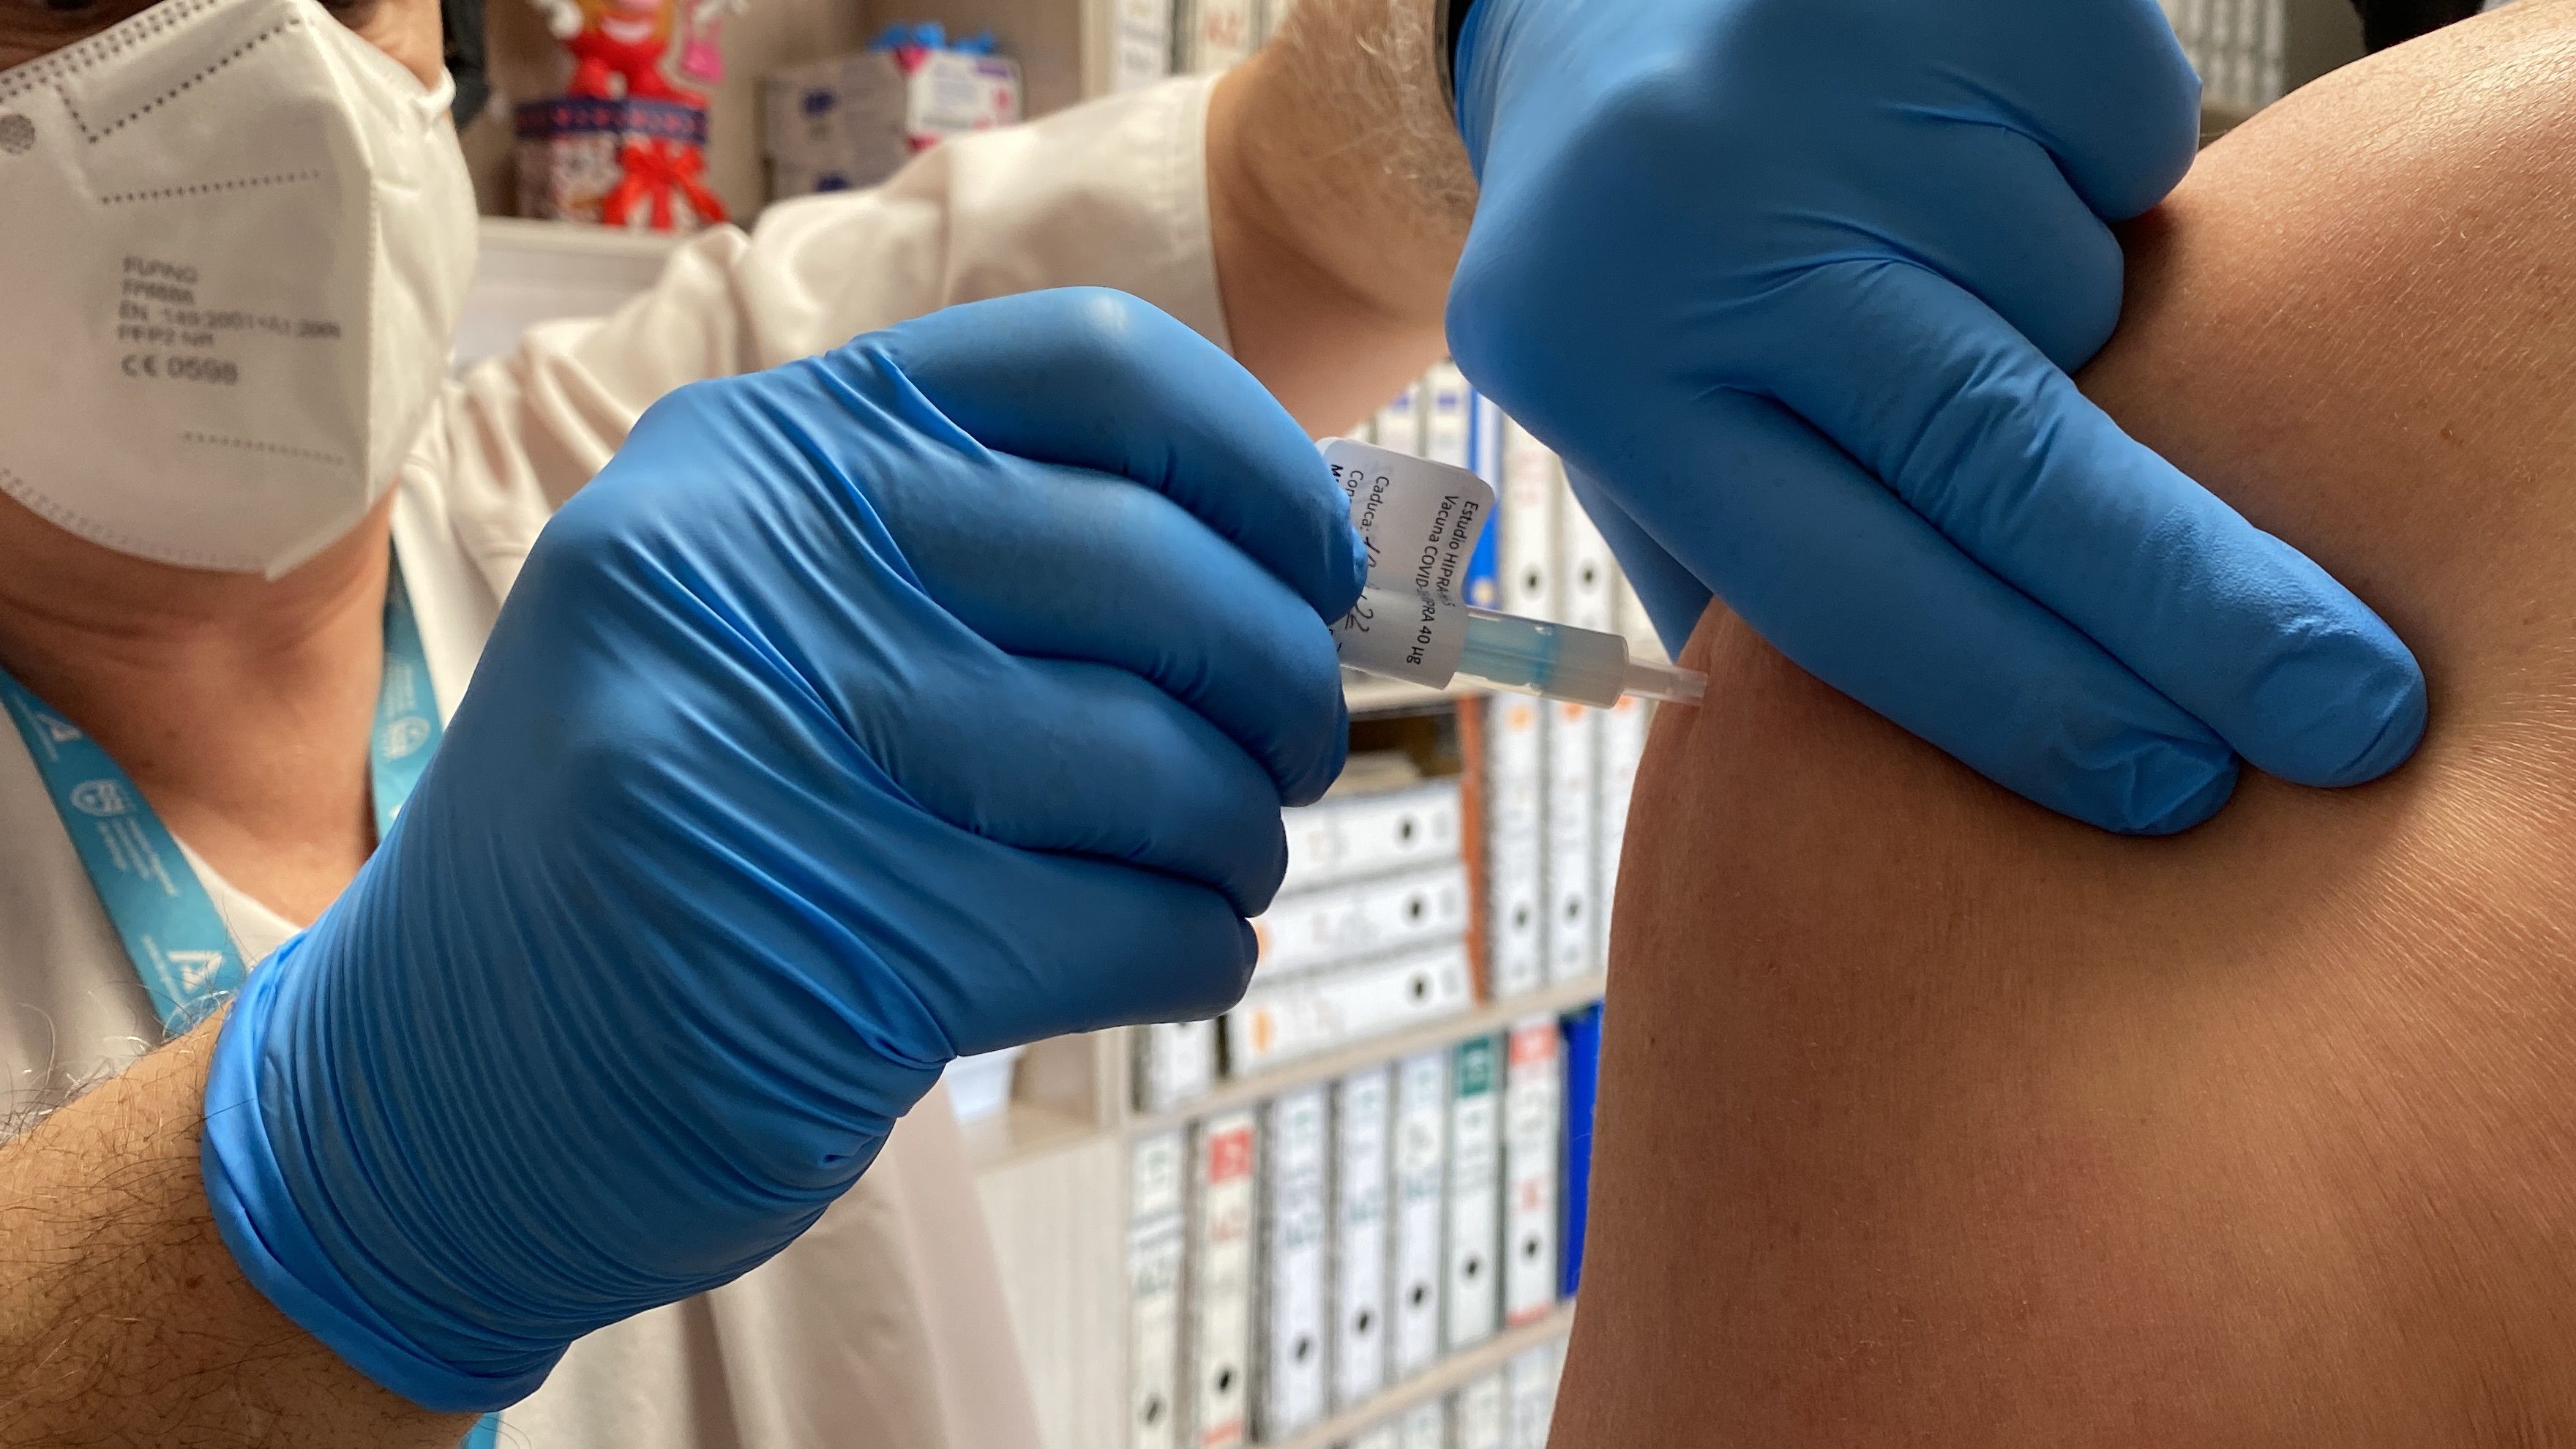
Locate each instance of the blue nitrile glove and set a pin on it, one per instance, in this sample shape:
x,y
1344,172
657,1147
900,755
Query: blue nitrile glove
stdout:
x,y
924,698
1790,283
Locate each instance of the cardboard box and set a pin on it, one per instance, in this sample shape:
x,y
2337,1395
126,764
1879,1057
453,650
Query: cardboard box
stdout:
x,y
573,163
851,122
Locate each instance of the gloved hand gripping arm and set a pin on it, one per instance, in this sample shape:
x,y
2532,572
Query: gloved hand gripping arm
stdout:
x,y
927,697
1793,286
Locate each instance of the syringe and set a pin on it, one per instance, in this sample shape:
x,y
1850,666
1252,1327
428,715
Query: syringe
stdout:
x,y
1559,661
1422,521
1553,661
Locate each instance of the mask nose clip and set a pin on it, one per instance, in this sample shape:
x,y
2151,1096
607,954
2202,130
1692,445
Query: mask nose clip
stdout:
x,y
17,134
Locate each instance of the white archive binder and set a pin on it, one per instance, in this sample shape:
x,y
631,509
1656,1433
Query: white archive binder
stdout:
x,y
1516,907
1327,1009
1483,1414
1175,1063
1529,1387
1421,1210
1363,1105
1425,1426
1219,1279
1471,1294
1158,1170
1336,924
1533,1133
1573,753
1623,747
1344,838
1290,1385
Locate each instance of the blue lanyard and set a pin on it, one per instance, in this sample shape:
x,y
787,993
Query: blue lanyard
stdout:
x,y
172,932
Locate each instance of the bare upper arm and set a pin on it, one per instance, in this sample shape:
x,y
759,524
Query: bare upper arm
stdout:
x,y
1929,1118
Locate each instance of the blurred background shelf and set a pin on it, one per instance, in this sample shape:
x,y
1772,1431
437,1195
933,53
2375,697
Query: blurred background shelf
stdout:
x,y
1024,1130
1485,1020
1029,1129
1451,1374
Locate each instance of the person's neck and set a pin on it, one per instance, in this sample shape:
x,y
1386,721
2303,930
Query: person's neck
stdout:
x,y
240,706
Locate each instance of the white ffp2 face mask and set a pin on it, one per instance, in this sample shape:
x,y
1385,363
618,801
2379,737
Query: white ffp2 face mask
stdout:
x,y
237,237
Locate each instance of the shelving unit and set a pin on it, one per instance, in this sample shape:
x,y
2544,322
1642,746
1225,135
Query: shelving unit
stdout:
x,y
1076,1089
1052,1173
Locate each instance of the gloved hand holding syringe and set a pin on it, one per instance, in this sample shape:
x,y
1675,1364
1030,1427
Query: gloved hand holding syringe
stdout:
x,y
1421,521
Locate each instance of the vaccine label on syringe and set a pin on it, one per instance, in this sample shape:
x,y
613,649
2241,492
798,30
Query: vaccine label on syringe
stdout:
x,y
1421,521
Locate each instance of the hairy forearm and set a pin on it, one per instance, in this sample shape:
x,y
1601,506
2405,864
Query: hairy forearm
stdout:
x,y
1340,195
123,1319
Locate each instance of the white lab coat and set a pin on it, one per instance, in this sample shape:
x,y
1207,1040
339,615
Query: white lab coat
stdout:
x,y
885,1324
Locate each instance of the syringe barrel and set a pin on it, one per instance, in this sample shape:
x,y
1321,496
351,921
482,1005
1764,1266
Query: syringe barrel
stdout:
x,y
1541,658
